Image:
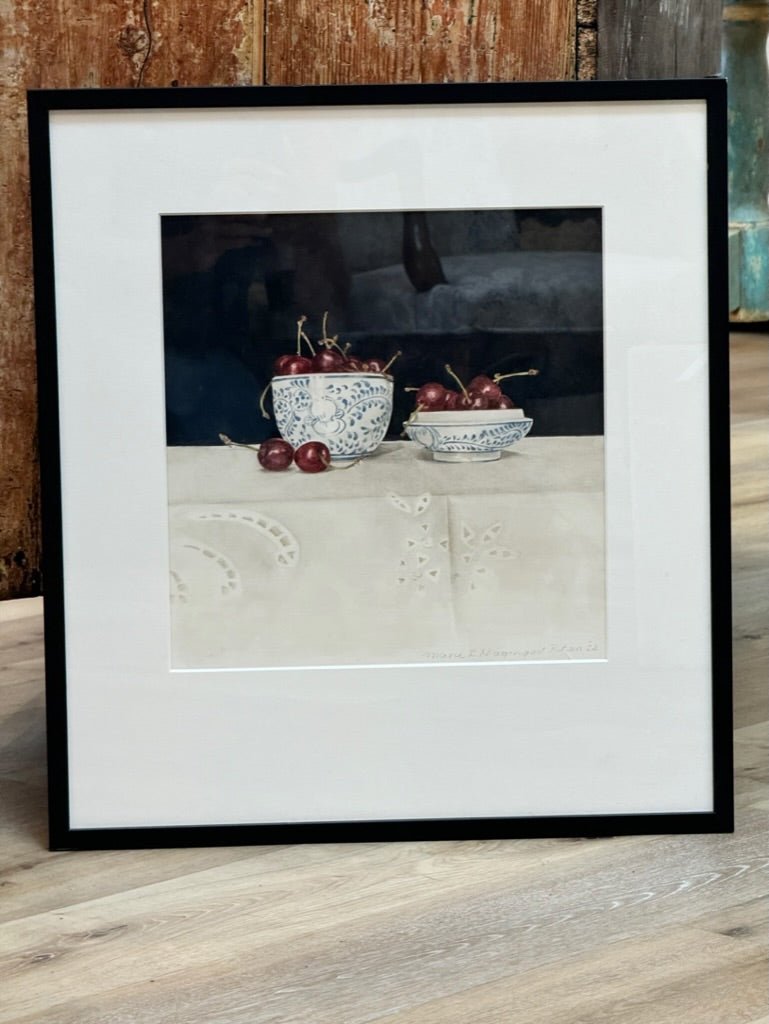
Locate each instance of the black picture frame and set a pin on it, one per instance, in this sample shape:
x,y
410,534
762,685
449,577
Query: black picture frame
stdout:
x,y
64,783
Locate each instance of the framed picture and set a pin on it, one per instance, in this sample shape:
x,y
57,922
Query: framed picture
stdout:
x,y
384,439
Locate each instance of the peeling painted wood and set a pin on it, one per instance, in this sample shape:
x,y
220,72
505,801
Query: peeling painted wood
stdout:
x,y
359,41
659,38
745,65
124,43
57,44
207,43
587,39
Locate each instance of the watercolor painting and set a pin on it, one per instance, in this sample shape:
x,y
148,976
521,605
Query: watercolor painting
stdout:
x,y
385,437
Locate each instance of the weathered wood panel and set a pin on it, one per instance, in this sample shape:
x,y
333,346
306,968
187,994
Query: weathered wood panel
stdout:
x,y
57,44
659,38
357,41
587,38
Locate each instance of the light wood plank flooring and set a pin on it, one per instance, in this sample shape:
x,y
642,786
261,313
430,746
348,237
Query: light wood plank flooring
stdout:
x,y
643,930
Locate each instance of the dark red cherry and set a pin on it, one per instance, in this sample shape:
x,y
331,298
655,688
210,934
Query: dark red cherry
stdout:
x,y
473,401
506,403
275,454
451,400
375,365
328,361
280,366
353,364
430,396
292,365
483,385
312,457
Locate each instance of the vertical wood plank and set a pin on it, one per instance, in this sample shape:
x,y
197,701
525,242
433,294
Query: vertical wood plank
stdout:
x,y
51,44
587,39
359,41
659,38
207,43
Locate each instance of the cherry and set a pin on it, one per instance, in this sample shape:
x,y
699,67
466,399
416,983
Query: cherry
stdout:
x,y
430,396
331,357
483,385
275,454
312,457
292,363
328,361
290,366
279,367
471,400
483,392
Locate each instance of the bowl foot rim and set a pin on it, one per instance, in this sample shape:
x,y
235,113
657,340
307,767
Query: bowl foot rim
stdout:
x,y
467,456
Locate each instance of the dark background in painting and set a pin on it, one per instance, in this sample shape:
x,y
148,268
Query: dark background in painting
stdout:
x,y
522,289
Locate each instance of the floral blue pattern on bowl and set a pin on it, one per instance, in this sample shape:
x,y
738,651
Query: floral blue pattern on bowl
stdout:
x,y
349,412
469,436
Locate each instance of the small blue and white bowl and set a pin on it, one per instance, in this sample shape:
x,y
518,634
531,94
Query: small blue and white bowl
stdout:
x,y
349,412
471,435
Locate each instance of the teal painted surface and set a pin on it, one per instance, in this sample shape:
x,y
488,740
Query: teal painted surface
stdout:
x,y
745,67
754,272
735,295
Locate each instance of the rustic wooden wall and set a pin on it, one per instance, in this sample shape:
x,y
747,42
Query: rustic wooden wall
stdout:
x,y
53,43
349,41
659,38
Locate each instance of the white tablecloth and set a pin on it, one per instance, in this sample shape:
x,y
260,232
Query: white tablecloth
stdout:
x,y
398,559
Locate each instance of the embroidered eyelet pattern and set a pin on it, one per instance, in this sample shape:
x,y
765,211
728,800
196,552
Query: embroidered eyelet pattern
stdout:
x,y
417,568
286,544
481,552
224,579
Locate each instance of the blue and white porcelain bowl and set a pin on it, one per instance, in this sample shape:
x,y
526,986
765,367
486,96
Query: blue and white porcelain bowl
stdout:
x,y
473,435
349,412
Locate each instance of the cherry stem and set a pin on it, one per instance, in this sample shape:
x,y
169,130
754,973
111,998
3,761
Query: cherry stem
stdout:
x,y
417,408
236,444
521,373
309,343
411,389
261,402
329,463
451,373
392,360
331,342
299,332
334,343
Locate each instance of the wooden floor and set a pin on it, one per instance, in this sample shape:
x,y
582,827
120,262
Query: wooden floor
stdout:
x,y
644,930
